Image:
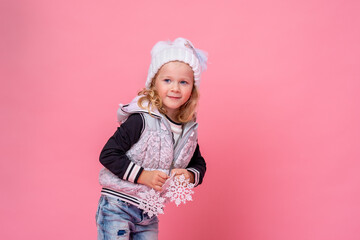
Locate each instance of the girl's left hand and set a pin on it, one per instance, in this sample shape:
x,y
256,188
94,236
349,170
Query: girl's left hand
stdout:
x,y
179,171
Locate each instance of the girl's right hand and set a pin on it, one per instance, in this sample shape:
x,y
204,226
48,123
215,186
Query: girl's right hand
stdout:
x,y
153,179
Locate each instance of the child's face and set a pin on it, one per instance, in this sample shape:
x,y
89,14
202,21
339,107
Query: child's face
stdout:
x,y
174,84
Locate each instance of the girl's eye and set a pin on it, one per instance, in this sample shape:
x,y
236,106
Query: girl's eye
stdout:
x,y
167,80
183,82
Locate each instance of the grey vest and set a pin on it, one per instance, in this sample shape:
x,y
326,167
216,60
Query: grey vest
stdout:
x,y
155,149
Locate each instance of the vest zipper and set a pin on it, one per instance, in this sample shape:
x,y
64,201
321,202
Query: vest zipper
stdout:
x,y
181,143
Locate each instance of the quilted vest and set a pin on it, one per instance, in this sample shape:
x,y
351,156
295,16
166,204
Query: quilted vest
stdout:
x,y
154,150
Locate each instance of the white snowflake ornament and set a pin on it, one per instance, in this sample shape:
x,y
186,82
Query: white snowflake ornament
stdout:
x,y
152,203
179,190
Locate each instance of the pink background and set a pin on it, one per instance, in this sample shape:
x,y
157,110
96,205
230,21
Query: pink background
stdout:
x,y
279,114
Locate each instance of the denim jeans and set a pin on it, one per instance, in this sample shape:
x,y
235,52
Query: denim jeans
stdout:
x,y
116,219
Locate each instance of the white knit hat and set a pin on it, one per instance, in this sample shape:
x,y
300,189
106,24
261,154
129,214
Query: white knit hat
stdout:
x,y
178,50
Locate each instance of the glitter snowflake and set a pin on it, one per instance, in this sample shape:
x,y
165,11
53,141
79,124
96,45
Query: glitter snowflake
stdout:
x,y
179,190
152,203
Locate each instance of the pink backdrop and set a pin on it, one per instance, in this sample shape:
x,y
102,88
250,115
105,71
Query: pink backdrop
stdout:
x,y
279,114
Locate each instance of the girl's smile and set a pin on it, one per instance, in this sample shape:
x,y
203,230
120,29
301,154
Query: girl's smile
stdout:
x,y
174,84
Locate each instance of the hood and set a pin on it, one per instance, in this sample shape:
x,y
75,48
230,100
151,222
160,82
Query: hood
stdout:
x,y
125,110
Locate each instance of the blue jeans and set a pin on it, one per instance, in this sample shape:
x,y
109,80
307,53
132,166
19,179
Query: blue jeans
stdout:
x,y
116,219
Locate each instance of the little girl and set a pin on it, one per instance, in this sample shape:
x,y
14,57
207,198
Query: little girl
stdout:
x,y
157,139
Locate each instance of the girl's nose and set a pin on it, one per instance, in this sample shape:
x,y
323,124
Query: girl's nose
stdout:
x,y
175,87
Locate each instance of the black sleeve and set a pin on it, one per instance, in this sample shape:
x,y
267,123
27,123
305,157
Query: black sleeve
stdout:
x,y
197,165
113,155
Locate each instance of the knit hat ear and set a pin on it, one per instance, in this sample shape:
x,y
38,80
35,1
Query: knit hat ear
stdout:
x,y
180,49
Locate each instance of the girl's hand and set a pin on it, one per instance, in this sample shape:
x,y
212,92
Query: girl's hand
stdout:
x,y
153,179
188,175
